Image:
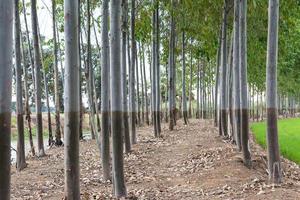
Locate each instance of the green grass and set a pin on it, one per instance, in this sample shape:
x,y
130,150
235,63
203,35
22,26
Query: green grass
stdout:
x,y
289,137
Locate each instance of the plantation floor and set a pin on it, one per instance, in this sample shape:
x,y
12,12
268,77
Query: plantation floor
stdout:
x,y
191,162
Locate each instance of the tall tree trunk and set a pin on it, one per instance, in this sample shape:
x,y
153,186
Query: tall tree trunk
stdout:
x,y
217,79
116,104
105,111
132,96
21,163
80,73
89,73
72,102
50,138
142,84
184,104
157,70
272,130
153,72
58,141
138,97
171,73
236,75
146,88
27,107
6,52
124,75
224,74
198,90
244,92
191,83
38,89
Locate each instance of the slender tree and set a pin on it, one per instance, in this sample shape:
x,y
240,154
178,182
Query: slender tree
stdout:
x,y
71,103
272,130
132,96
58,141
244,89
223,72
105,111
6,52
116,100
38,88
21,163
184,104
124,75
236,73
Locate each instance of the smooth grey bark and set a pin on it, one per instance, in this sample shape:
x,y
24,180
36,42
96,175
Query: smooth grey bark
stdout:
x,y
223,108
71,101
105,110
116,100
138,97
275,174
236,75
89,74
132,96
50,137
198,91
142,85
21,163
217,80
38,88
145,88
244,89
153,72
124,75
184,104
171,77
6,52
191,82
26,95
157,70
58,141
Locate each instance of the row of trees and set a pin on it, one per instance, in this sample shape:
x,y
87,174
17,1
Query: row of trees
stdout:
x,y
135,34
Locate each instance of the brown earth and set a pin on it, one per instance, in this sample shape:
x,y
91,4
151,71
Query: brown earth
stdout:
x,y
191,162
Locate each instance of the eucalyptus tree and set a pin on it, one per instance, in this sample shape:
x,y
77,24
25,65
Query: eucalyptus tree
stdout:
x,y
145,88
6,52
124,75
132,96
184,104
38,88
26,95
155,86
116,100
21,163
236,73
272,130
198,90
157,71
223,111
243,83
171,71
191,81
71,101
105,87
58,141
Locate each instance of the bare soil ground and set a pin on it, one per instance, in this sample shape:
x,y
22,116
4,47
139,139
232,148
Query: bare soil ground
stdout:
x,y
191,162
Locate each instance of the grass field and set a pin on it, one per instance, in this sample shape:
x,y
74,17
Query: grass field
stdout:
x,y
289,137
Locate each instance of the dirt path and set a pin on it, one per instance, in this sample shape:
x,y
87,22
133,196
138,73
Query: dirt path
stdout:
x,y
191,162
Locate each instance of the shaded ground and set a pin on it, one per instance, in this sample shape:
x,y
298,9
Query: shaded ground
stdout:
x,y
191,162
